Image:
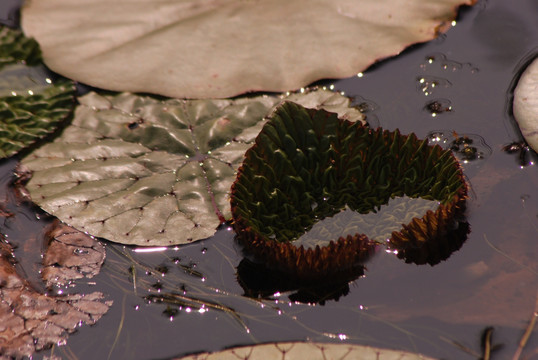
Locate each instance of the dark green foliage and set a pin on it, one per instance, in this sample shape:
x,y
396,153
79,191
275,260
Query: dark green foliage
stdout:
x,y
15,48
25,119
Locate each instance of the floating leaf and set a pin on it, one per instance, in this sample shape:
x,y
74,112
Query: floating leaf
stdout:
x,y
17,48
31,104
31,321
32,108
526,104
215,49
307,165
137,170
304,350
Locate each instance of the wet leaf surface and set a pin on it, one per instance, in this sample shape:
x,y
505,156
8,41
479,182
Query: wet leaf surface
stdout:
x,y
31,321
70,255
32,105
225,48
137,170
312,351
17,48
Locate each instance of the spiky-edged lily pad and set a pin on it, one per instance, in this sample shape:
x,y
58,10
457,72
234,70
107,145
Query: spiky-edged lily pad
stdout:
x,y
137,170
526,104
31,104
17,48
208,49
307,165
303,350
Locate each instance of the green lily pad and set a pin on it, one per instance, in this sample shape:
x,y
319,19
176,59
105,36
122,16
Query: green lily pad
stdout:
x,y
32,105
307,165
225,48
17,48
526,104
307,350
138,170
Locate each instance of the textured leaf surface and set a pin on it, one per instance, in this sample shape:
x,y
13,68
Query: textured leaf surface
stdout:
x,y
15,48
31,104
222,48
70,255
30,108
307,165
526,104
31,321
142,171
312,351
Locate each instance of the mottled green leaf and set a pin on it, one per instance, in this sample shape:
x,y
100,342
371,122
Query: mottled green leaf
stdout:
x,y
138,170
526,104
311,351
214,49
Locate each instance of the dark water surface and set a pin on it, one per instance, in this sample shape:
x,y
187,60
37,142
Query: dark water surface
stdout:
x,y
465,77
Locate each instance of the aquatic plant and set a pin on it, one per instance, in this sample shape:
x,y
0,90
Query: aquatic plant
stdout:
x,y
288,44
32,104
307,165
139,170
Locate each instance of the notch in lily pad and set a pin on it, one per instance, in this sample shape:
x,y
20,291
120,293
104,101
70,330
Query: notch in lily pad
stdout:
x,y
308,165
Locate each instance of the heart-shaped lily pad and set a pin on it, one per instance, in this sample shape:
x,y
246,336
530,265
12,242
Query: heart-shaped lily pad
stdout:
x,y
307,165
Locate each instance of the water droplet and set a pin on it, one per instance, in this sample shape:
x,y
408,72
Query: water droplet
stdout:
x,y
79,251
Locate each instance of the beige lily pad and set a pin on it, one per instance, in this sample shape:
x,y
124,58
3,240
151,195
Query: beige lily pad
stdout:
x,y
143,171
311,351
526,104
221,48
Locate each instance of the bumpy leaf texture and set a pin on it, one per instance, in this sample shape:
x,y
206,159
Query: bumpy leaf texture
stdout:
x,y
221,48
31,104
302,350
526,104
137,170
31,321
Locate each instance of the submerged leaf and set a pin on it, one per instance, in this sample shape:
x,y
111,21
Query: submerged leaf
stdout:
x,y
137,170
30,321
303,350
70,255
219,49
526,104
307,165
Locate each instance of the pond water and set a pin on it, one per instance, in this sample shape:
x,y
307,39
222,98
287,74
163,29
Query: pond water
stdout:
x,y
173,301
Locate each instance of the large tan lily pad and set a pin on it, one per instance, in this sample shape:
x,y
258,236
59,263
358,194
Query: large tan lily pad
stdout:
x,y
526,104
221,48
302,350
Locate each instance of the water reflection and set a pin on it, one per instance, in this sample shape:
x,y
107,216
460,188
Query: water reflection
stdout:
x,y
258,281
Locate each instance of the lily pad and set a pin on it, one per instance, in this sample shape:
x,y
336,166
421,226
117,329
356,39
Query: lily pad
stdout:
x,y
17,48
526,104
32,105
143,171
225,48
304,350
307,165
